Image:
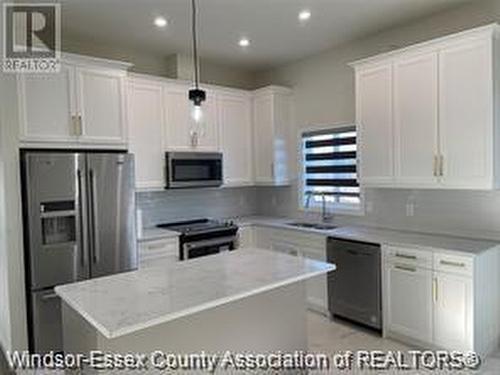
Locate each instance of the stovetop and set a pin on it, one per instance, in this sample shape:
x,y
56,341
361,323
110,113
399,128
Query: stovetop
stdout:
x,y
198,226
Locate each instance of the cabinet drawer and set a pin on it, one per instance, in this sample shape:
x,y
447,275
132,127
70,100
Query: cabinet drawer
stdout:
x,y
414,257
453,264
158,249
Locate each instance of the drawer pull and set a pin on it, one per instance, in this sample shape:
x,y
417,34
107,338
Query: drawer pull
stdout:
x,y
157,246
453,264
406,268
406,256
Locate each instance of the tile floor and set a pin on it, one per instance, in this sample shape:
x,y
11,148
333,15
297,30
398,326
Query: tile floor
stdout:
x,y
330,337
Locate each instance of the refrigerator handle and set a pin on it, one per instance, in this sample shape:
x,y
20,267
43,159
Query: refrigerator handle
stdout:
x,y
95,224
81,218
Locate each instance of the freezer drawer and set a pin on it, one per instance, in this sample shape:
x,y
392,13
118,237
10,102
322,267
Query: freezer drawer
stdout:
x,y
354,289
46,322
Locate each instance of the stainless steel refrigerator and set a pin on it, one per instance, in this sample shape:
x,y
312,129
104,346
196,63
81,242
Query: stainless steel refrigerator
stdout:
x,y
79,223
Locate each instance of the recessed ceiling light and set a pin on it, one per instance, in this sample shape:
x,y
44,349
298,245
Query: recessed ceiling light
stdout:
x,y
244,42
161,21
304,15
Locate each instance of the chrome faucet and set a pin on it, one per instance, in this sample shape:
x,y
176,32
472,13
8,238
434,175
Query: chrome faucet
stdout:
x,y
309,195
324,215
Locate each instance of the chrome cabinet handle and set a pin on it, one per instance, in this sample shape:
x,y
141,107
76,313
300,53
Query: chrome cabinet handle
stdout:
x,y
441,165
406,256
452,264
80,217
405,268
95,224
435,168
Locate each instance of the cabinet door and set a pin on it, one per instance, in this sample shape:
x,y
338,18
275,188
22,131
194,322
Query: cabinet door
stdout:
x,y
316,287
182,134
236,138
100,96
408,293
207,132
47,106
178,124
263,139
466,114
416,116
246,237
453,311
145,114
374,119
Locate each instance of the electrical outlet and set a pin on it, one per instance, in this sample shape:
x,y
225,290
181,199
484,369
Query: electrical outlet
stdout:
x,y
369,206
410,209
274,201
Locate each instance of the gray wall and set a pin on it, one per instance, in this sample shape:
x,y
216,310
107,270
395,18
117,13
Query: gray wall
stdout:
x,y
173,205
324,94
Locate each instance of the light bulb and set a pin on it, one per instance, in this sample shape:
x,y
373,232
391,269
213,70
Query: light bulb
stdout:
x,y
197,114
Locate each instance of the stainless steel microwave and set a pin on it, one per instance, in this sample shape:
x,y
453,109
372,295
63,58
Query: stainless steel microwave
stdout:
x,y
193,169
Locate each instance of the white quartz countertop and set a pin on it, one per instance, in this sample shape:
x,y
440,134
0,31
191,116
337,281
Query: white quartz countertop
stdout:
x,y
121,304
150,234
404,238
469,246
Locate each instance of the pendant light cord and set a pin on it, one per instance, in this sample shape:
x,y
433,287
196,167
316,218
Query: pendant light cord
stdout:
x,y
195,44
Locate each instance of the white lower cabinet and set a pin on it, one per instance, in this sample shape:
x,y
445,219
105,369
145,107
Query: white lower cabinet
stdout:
x,y
409,297
246,237
453,311
449,302
154,251
296,243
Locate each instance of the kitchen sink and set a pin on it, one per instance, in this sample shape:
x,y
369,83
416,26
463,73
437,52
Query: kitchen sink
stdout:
x,y
318,226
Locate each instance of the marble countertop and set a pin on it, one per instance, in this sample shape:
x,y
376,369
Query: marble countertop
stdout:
x,y
469,246
150,234
124,303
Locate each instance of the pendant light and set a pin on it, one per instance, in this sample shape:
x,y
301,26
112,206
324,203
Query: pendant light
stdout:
x,y
196,95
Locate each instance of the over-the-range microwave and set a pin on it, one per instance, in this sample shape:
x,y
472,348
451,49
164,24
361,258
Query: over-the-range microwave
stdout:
x,y
193,169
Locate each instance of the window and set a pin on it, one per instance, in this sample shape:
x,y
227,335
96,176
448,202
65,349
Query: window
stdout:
x,y
329,168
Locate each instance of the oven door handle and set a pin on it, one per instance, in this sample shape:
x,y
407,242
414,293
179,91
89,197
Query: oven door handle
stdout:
x,y
205,243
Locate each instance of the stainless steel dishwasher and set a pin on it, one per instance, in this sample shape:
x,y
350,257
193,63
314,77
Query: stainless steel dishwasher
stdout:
x,y
354,289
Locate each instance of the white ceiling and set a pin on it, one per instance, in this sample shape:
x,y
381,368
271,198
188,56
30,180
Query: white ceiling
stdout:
x,y
272,26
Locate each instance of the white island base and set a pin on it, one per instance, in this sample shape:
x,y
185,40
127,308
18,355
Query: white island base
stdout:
x,y
267,322
250,301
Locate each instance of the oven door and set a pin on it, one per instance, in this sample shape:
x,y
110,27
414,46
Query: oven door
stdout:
x,y
211,246
193,169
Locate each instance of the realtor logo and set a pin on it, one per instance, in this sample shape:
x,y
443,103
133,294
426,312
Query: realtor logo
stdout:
x,y
32,38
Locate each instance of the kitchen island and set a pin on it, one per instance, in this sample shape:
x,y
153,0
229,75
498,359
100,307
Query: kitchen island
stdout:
x,y
249,300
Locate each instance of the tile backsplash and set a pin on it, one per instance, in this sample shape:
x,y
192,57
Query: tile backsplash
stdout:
x,y
175,205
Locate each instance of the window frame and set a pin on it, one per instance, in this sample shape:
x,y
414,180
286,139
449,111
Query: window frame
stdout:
x,y
332,208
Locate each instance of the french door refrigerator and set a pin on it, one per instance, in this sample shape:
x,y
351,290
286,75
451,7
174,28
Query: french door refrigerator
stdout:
x,y
79,223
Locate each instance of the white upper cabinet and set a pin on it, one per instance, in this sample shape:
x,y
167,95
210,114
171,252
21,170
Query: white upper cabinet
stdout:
x,y
47,106
235,131
374,118
273,124
182,132
83,104
466,114
416,119
145,114
441,110
101,106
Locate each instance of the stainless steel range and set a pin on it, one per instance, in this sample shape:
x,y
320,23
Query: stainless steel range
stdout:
x,y
203,237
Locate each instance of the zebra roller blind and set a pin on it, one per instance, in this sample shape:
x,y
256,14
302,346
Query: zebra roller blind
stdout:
x,y
329,160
